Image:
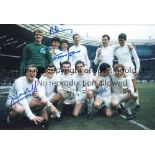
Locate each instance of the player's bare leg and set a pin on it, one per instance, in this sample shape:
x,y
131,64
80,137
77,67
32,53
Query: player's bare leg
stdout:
x,y
108,112
77,109
16,110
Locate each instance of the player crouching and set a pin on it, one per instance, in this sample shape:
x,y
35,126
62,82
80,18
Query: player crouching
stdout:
x,y
24,97
103,90
123,90
84,90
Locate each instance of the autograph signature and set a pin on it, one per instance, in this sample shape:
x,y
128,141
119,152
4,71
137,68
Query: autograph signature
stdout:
x,y
55,29
69,54
20,96
101,90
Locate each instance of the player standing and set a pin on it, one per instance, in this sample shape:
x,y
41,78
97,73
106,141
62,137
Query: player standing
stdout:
x,y
78,52
35,53
124,56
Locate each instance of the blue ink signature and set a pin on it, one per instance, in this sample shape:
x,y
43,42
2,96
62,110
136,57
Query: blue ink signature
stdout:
x,y
101,90
20,96
70,54
55,29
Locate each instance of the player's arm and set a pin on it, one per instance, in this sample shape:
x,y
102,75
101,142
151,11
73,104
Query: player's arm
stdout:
x,y
41,88
115,48
42,92
96,81
91,86
97,57
59,88
136,59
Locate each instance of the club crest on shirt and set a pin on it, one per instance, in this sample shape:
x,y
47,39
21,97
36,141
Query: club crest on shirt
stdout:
x,y
42,50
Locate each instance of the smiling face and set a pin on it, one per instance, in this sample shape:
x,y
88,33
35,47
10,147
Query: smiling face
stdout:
x,y
55,44
119,72
31,74
38,36
50,71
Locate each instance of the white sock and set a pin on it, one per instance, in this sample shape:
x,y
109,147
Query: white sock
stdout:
x,y
129,111
137,101
123,104
129,105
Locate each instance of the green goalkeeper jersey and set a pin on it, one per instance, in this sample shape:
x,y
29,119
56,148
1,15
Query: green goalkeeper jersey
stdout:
x,y
37,54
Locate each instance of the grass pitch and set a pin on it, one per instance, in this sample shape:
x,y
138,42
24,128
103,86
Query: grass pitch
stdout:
x,y
145,116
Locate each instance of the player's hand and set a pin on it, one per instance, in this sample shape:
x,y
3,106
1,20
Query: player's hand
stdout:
x,y
36,94
125,75
37,119
136,73
129,91
130,47
98,52
61,92
53,109
52,51
97,83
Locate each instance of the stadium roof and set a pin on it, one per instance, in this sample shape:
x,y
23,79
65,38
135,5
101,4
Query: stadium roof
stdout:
x,y
51,30
14,37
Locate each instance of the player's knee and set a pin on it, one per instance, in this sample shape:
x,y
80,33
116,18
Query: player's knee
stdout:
x,y
108,113
96,104
57,97
43,102
19,109
134,97
114,103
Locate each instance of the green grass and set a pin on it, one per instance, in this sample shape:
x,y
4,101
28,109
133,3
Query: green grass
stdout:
x,y
99,123
145,116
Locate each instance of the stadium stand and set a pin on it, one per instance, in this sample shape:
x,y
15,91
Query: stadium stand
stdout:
x,y
13,38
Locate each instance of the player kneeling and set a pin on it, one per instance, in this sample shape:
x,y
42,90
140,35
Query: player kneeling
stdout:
x,y
123,90
103,89
51,89
68,86
24,96
84,90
